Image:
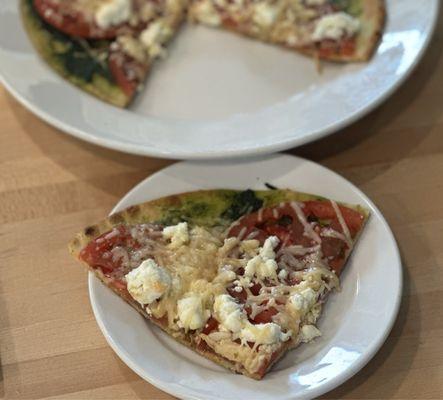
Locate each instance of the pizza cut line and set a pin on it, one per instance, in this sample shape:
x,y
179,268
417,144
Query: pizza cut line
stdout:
x,y
240,277
107,47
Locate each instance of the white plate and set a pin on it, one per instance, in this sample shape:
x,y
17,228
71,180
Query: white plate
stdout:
x,y
355,321
219,94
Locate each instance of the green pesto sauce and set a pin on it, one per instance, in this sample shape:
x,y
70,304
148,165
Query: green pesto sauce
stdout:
x,y
222,207
80,58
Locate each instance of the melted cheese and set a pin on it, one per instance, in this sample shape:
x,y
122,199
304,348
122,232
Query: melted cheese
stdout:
x,y
315,3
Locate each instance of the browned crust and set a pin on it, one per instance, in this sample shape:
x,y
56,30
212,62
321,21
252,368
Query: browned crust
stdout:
x,y
152,211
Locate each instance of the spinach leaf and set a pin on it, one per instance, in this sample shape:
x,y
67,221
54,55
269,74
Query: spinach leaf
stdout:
x,y
243,203
81,58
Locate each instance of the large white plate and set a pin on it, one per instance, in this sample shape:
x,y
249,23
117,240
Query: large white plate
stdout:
x,y
219,94
355,321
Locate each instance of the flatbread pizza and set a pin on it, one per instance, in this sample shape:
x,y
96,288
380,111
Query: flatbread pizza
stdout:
x,y
107,47
238,276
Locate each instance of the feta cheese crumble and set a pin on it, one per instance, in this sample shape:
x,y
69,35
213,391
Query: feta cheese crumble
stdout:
x,y
148,282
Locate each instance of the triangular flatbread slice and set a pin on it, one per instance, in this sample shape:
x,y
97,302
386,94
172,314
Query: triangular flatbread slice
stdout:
x,y
240,277
344,30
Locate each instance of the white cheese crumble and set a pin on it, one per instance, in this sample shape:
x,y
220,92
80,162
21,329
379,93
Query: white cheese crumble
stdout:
x,y
232,318
308,333
113,12
335,26
229,313
178,234
263,265
267,251
148,282
303,301
265,14
191,313
268,333
205,12
283,274
132,47
156,34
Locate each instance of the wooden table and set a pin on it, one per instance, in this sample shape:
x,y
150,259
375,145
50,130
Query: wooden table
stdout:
x,y
51,185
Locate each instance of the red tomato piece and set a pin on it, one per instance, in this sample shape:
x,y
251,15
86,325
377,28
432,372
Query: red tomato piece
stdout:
x,y
264,316
211,325
265,365
255,289
97,253
239,296
324,210
347,47
127,72
67,19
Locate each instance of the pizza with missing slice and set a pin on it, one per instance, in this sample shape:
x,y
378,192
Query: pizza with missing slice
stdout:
x,y
106,47
239,277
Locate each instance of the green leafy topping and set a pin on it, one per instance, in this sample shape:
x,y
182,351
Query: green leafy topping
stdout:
x,y
192,212
285,220
81,58
243,203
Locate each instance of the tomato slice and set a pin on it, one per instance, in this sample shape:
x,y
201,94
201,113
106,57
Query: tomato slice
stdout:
x,y
324,210
97,253
127,72
265,365
283,222
67,19
264,316
211,325
241,297
347,47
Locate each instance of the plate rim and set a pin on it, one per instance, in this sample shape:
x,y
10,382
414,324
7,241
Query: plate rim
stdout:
x,y
147,150
339,379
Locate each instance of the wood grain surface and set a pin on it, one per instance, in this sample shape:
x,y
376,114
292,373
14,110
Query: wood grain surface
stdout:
x,y
51,185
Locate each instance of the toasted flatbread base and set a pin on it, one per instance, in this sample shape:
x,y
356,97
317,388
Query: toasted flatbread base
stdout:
x,y
208,208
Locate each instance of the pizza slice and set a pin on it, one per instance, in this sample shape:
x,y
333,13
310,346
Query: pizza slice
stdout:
x,y
335,30
106,47
240,277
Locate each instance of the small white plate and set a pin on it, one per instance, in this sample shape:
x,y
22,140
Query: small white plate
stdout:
x,y
355,322
219,94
